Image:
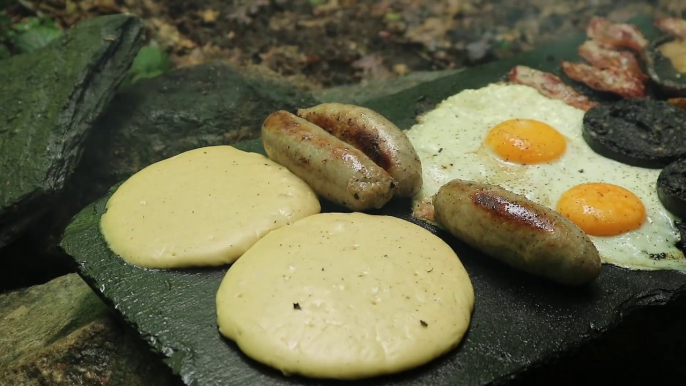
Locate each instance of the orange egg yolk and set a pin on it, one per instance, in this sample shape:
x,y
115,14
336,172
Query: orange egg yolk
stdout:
x,y
526,141
601,209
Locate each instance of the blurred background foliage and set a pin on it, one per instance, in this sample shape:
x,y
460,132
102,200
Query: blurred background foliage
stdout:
x,y
24,35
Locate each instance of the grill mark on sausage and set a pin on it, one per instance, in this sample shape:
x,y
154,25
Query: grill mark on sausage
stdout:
x,y
511,211
282,121
364,139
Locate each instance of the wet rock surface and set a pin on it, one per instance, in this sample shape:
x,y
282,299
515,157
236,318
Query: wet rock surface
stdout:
x,y
61,333
647,348
362,92
212,104
49,101
206,105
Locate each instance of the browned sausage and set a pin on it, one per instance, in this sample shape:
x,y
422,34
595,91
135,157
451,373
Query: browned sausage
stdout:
x,y
375,136
335,170
517,231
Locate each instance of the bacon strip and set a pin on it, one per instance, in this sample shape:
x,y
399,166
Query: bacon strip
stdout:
x,y
680,103
607,59
615,35
550,86
605,80
672,26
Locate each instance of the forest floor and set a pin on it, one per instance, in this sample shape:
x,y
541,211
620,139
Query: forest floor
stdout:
x,y
324,43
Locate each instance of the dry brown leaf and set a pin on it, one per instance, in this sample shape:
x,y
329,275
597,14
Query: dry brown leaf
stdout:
x,y
673,6
193,58
401,69
448,8
624,13
678,102
106,6
549,8
329,7
288,60
243,13
432,33
169,36
209,15
152,6
200,55
320,22
381,8
372,67
369,63
284,21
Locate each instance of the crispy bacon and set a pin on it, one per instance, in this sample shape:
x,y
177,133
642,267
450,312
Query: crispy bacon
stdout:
x,y
678,102
609,59
605,80
672,26
550,86
616,35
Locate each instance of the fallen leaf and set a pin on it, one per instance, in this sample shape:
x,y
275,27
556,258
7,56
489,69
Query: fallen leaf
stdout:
x,y
329,7
320,22
287,60
401,69
372,67
200,55
105,6
70,7
678,102
151,6
243,13
381,8
209,15
284,21
169,36
368,63
449,7
432,33
477,50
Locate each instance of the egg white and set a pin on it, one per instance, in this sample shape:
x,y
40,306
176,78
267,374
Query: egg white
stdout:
x,y
450,143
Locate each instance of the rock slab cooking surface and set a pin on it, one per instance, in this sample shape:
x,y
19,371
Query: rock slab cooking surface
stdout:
x,y
48,103
206,105
519,323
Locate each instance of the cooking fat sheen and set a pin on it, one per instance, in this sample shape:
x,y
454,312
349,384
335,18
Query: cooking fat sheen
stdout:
x,y
450,141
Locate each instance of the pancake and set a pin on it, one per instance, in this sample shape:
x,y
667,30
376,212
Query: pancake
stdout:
x,y
346,296
204,207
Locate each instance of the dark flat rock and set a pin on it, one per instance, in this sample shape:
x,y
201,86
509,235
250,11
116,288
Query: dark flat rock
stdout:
x,y
210,104
154,119
48,102
520,322
61,334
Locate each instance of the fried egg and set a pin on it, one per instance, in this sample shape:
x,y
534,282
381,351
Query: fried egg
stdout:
x,y
514,137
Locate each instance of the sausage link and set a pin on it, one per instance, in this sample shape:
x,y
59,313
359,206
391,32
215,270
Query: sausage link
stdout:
x,y
517,231
335,170
375,136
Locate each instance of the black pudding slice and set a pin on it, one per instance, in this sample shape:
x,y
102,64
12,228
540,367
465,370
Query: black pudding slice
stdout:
x,y
671,188
637,132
